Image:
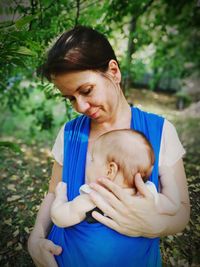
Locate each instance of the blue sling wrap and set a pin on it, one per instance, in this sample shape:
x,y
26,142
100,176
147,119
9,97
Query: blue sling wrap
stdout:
x,y
95,245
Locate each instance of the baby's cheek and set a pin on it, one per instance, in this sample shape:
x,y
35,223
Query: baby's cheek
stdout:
x,y
91,179
89,176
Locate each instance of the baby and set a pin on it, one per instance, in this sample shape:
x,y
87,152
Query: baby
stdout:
x,y
117,155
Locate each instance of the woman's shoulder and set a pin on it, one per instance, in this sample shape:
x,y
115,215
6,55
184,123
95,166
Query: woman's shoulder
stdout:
x,y
169,126
147,122
171,147
169,132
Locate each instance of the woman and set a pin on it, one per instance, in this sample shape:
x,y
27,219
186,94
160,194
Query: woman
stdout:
x,y
83,66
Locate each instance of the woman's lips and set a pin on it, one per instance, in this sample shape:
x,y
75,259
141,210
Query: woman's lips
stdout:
x,y
93,115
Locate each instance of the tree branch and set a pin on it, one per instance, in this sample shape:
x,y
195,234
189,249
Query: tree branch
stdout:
x,y
77,12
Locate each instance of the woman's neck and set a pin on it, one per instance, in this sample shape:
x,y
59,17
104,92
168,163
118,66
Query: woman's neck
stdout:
x,y
121,119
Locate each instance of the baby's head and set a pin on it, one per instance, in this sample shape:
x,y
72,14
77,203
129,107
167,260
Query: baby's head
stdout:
x,y
119,155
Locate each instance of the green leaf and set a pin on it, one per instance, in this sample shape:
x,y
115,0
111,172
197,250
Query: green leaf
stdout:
x,y
25,51
23,21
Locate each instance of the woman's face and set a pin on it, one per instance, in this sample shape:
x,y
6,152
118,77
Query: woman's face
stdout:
x,y
90,93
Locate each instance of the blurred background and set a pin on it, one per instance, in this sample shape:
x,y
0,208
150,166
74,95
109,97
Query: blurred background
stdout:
x,y
157,43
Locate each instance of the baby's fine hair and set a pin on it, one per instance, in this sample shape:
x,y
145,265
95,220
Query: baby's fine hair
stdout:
x,y
130,150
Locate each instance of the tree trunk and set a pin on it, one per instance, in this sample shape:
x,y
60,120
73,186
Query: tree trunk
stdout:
x,y
130,51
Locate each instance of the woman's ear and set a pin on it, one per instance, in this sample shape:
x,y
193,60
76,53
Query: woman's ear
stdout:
x,y
114,71
112,170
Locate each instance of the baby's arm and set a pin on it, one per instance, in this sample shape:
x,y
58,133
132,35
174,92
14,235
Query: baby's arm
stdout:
x,y
169,201
64,213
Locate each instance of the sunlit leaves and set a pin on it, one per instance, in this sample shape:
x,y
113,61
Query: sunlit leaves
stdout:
x,y
25,51
20,23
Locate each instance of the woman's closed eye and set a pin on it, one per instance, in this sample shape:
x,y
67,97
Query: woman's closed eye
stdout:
x,y
86,91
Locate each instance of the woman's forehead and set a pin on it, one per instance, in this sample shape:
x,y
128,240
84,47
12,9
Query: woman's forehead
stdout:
x,y
75,77
74,80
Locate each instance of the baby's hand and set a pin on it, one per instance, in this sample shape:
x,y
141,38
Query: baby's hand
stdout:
x,y
61,191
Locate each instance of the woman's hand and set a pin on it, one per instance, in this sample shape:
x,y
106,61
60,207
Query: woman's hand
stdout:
x,y
42,251
129,215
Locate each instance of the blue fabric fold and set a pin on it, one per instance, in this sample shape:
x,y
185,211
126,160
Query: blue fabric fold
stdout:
x,y
95,245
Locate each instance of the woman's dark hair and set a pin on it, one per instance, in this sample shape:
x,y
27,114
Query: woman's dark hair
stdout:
x,y
81,48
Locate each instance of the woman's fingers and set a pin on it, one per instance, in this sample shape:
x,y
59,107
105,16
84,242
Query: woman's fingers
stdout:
x,y
131,215
104,191
50,260
37,264
115,226
105,220
48,250
108,198
114,188
48,245
103,205
42,251
56,250
141,187
47,260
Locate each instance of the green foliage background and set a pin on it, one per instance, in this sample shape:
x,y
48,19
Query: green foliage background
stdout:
x,y
156,42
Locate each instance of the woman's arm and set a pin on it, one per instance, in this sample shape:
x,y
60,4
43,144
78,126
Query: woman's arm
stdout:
x,y
178,222
168,201
138,216
41,249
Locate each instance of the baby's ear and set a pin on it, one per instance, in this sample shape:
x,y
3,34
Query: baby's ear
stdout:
x,y
112,170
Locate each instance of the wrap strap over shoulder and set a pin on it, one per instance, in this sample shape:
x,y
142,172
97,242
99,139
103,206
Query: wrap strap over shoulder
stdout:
x,y
151,125
95,245
76,134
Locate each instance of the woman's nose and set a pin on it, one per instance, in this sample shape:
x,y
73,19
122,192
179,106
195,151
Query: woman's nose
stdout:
x,y
81,105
